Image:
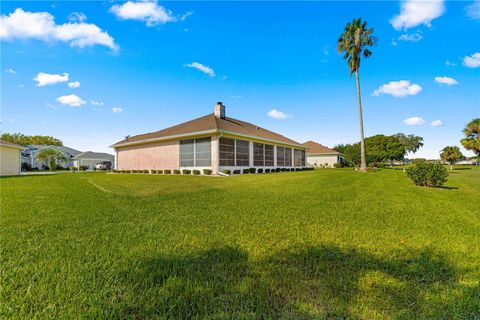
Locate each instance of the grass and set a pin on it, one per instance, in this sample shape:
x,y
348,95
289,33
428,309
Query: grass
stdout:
x,y
331,243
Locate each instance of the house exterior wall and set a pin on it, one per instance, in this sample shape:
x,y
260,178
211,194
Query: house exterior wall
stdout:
x,y
320,160
159,155
9,161
166,155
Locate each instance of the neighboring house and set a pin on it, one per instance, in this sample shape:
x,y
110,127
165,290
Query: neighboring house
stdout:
x,y
91,159
319,155
467,161
29,155
214,142
9,158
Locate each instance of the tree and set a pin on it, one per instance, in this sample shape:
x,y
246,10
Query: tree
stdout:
x,y
472,136
411,142
381,148
51,156
25,140
351,152
451,154
353,43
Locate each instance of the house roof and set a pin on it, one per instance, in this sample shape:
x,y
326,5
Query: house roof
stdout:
x,y
317,148
72,152
210,124
94,156
10,144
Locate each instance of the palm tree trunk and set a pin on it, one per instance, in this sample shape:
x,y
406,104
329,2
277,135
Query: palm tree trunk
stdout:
x,y
363,164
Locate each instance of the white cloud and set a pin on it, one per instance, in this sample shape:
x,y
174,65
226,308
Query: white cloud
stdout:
x,y
10,70
473,10
414,121
41,26
117,110
472,61
450,64
202,68
74,84
149,11
412,37
184,16
96,103
77,17
277,114
416,12
400,88
436,123
45,79
71,100
446,80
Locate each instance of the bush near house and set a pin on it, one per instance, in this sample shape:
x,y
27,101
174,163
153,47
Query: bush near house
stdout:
x,y
226,171
236,171
196,172
176,171
186,171
83,168
245,171
159,171
428,174
207,171
267,170
253,170
167,171
260,170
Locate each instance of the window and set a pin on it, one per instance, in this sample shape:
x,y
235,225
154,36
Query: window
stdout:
x,y
280,156
203,152
258,156
187,149
288,157
242,153
269,155
227,152
196,152
299,158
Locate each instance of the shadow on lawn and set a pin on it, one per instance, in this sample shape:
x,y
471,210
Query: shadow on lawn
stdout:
x,y
312,283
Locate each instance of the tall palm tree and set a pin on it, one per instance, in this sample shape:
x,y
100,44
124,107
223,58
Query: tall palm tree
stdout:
x,y
353,44
51,155
472,136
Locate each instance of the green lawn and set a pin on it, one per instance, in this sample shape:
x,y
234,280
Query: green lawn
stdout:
x,y
332,243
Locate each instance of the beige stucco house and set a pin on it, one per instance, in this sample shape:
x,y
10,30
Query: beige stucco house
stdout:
x,y
318,155
214,142
92,159
9,158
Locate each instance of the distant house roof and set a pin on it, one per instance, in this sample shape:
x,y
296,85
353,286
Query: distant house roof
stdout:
x,y
10,144
64,149
317,148
94,156
210,124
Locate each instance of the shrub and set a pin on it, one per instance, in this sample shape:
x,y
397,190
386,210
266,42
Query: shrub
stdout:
x,y
83,168
260,170
186,171
146,171
26,166
283,169
159,171
253,170
207,171
277,170
167,171
245,171
153,171
176,171
128,171
196,172
337,165
236,171
267,170
428,174
226,171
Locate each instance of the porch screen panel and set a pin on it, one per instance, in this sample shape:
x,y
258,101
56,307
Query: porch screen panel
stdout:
x,y
227,152
302,157
187,157
280,156
242,153
258,157
298,158
203,152
269,155
288,157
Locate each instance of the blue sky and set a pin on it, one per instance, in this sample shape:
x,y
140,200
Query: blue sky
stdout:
x,y
143,66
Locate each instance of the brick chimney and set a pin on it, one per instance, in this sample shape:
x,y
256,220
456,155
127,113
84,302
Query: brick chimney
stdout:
x,y
219,111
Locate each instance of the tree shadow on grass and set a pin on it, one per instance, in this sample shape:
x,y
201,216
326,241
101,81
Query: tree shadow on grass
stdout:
x,y
301,283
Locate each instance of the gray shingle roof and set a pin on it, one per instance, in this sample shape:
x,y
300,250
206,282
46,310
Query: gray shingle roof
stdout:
x,y
94,155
